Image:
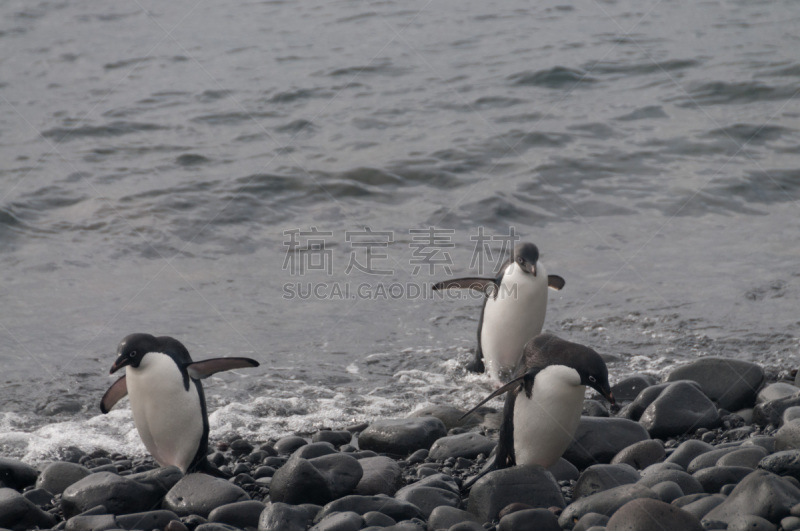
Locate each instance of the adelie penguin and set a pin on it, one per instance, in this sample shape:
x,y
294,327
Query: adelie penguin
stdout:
x,y
543,404
513,310
167,400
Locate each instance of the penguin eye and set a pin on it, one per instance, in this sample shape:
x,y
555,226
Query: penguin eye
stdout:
x,y
132,354
592,379
520,260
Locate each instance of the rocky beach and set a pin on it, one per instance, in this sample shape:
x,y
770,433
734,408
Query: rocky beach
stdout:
x,y
714,446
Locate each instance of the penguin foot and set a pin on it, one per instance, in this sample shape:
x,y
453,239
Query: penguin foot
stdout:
x,y
475,365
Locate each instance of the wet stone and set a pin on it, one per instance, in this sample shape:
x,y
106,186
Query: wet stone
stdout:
x,y
346,521
401,436
771,413
428,498
16,474
701,507
640,455
751,523
687,483
147,520
342,472
708,459
714,478
680,408
529,484
775,391
445,516
200,494
396,509
16,512
283,517
785,463
239,514
298,481
374,518
746,456
788,436
667,491
317,449
381,475
761,493
57,476
539,519
590,520
605,502
652,514
468,445
731,383
120,495
287,445
598,440
687,451
336,438
598,478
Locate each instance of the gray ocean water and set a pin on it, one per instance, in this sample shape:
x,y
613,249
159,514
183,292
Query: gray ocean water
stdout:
x,y
285,180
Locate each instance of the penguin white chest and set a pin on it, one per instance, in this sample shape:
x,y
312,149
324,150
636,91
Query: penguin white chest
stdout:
x,y
512,318
168,417
545,424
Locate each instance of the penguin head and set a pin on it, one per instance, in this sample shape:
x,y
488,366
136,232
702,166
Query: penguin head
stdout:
x,y
132,349
525,256
594,374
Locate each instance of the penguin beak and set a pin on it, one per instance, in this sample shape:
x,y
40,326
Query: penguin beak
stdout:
x,y
608,395
119,363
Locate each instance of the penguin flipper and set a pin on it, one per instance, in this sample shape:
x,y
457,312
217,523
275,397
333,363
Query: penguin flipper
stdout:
x,y
555,282
505,456
498,392
115,393
478,284
203,369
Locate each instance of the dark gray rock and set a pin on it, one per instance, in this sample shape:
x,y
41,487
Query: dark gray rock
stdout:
x,y
439,481
776,390
790,523
563,470
680,408
647,396
449,415
701,507
606,502
346,521
538,519
401,436
629,388
213,526
714,478
16,474
239,514
381,475
771,412
751,523
640,455
708,459
767,442
593,408
38,497
147,520
120,495
95,522
668,491
298,481
598,440
341,471
18,513
284,517
57,476
687,451
598,478
528,484
445,516
317,449
791,413
397,509
200,494
428,498
645,514
732,384
463,526
591,520
748,457
289,444
376,519
762,494
785,463
788,436
336,438
687,483
467,445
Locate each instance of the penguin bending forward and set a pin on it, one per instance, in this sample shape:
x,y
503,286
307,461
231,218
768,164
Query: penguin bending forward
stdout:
x,y
513,310
543,404
167,400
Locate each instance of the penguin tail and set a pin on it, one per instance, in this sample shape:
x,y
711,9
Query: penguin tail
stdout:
x,y
204,466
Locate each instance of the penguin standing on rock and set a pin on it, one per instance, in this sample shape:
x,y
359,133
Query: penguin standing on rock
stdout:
x,y
513,310
167,400
544,403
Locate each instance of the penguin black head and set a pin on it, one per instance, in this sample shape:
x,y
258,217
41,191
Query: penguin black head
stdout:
x,y
547,349
133,348
526,255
